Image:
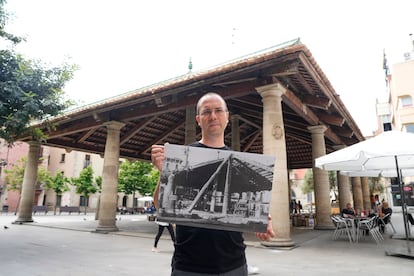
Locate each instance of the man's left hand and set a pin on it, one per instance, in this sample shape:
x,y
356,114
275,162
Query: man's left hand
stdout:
x,y
269,231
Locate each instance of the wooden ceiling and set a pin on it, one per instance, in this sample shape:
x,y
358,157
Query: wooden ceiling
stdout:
x,y
156,114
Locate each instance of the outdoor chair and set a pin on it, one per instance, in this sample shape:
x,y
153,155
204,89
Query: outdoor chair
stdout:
x,y
386,220
369,226
342,228
410,220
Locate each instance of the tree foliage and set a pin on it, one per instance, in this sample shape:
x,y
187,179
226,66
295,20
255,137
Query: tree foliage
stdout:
x,y
333,186
137,176
4,18
85,183
15,175
307,186
30,90
375,185
58,183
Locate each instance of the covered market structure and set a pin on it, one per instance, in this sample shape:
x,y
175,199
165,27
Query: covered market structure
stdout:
x,y
280,103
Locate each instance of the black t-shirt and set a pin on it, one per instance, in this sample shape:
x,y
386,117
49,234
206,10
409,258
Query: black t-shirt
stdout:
x,y
347,212
208,250
386,211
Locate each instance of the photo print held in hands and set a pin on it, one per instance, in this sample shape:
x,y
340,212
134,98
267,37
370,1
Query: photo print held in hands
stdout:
x,y
219,189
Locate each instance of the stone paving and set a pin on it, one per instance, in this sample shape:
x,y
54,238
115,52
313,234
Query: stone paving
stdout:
x,y
67,245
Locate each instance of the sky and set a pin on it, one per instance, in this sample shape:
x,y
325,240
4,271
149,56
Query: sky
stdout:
x,y
125,45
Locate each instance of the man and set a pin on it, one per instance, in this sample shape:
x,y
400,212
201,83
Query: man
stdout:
x,y
348,211
200,251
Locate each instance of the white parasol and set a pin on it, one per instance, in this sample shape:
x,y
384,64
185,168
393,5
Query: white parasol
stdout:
x,y
146,198
390,154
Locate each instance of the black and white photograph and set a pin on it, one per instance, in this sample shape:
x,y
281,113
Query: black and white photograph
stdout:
x,y
219,189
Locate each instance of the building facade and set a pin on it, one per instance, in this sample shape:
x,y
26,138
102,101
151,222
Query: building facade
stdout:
x,y
396,112
54,160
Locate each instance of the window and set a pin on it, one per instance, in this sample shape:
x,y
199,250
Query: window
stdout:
x,y
84,201
387,126
409,128
406,101
62,158
87,161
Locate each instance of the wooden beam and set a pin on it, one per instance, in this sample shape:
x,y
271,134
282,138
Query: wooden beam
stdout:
x,y
290,99
331,119
341,131
135,130
164,135
87,135
252,139
317,102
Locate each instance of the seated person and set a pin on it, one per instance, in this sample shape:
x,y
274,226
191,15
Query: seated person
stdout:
x,y
152,209
348,211
383,210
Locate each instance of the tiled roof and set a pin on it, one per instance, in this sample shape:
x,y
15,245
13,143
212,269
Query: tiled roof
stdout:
x,y
156,114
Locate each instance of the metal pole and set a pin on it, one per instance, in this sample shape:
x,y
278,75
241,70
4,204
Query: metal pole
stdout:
x,y
403,205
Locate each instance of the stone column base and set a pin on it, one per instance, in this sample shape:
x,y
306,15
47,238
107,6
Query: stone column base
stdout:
x,y
281,243
324,227
105,229
22,220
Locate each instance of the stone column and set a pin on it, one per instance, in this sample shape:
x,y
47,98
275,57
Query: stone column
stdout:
x,y
29,183
357,193
344,187
344,190
366,199
190,125
107,206
320,180
235,132
274,144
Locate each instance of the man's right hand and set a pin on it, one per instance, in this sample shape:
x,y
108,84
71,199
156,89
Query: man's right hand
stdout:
x,y
157,156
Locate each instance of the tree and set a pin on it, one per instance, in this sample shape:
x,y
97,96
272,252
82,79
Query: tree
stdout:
x,y
333,183
29,90
137,176
375,185
307,186
14,176
59,184
85,184
4,17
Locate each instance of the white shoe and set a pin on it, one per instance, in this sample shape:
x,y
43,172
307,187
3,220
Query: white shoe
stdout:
x,y
156,250
251,270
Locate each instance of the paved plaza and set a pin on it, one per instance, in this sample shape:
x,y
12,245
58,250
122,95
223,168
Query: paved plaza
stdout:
x,y
67,245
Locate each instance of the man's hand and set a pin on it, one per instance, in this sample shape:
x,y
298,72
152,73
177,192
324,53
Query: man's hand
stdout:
x,y
157,156
269,231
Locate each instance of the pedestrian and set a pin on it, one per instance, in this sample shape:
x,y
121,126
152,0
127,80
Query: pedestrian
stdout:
x,y
293,206
161,226
299,206
200,251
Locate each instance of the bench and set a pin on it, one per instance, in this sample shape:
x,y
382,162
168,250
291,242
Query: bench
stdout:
x,y
39,209
130,210
69,209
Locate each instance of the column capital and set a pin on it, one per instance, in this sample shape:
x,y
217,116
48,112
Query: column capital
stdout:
x,y
235,117
320,129
275,89
34,143
338,147
114,125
